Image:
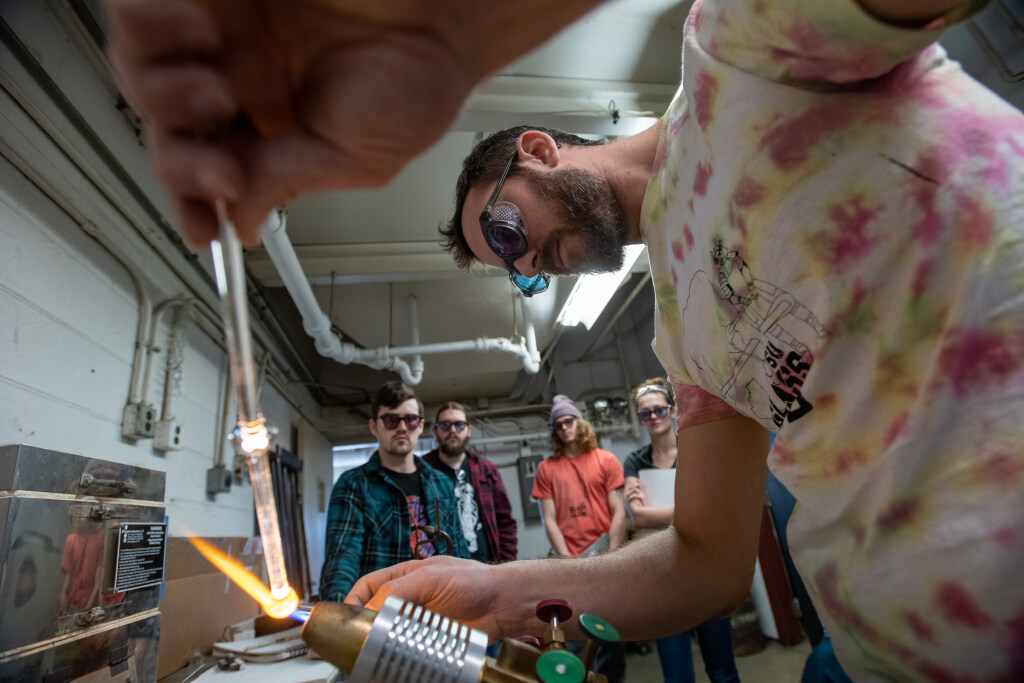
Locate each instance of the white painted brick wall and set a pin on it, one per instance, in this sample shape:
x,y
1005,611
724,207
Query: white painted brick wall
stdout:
x,y
68,317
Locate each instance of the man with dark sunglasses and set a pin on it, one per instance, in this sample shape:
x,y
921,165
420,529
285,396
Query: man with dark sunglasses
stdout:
x,y
379,510
484,509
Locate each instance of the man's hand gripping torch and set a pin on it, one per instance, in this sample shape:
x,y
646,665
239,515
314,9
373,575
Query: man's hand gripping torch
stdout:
x,y
406,642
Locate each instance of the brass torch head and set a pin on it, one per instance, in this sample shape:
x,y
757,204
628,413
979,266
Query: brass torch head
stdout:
x,y
337,632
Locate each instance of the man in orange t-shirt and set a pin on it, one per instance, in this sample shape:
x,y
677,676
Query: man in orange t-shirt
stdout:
x,y
580,492
579,487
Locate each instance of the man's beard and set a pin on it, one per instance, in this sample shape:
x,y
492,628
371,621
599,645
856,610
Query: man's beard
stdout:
x,y
589,211
454,451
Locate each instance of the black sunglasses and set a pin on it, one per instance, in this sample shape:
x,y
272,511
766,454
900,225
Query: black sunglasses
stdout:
x,y
659,412
391,420
505,233
446,425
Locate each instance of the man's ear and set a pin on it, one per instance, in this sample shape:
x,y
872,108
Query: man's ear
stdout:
x,y
533,144
373,427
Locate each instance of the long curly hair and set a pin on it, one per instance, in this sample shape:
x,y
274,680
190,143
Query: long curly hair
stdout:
x,y
586,439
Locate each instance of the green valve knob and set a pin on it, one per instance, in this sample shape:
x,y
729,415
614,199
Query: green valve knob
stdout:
x,y
559,666
598,629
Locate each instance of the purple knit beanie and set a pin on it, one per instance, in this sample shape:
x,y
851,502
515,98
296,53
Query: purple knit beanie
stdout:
x,y
561,406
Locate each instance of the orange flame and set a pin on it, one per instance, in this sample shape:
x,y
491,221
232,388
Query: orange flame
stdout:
x,y
279,609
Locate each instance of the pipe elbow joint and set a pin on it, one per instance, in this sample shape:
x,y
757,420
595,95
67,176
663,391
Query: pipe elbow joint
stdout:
x,y
274,223
328,346
345,353
409,375
318,327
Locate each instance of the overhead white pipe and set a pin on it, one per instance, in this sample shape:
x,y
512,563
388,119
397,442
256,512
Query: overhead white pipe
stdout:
x,y
416,366
526,350
318,325
314,321
531,360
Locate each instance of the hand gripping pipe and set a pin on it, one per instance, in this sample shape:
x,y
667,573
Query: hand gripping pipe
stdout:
x,y
253,436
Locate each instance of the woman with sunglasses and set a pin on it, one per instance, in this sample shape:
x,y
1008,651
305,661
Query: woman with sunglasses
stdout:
x,y
656,410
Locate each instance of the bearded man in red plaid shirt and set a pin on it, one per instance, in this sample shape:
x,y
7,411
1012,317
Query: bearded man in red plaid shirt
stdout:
x,y
484,510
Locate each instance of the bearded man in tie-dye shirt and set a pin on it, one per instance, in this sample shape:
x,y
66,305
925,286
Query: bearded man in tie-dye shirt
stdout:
x,y
834,215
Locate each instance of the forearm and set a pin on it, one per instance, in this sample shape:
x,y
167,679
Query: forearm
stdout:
x,y
647,517
675,585
555,538
63,604
617,530
94,597
698,569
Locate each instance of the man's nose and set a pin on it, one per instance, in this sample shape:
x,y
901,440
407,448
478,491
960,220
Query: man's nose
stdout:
x,y
529,263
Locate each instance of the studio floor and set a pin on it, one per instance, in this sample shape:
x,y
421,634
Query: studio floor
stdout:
x,y
774,664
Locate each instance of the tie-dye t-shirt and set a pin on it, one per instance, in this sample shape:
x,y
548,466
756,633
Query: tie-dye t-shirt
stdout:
x,y
835,226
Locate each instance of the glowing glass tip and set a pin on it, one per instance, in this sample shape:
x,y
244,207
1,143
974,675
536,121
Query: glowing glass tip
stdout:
x,y
253,437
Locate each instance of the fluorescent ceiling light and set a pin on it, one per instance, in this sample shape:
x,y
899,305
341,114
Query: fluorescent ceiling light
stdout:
x,y
592,293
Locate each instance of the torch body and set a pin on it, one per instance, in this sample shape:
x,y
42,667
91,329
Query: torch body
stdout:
x,y
405,642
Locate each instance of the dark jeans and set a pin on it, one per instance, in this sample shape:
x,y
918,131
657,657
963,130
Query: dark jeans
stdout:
x,y
715,640
610,660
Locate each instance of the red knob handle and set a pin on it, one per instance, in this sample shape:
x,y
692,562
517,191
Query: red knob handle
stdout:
x,y
554,609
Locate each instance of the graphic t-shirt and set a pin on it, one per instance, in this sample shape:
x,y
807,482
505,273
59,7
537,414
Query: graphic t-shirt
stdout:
x,y
579,488
835,227
412,487
469,513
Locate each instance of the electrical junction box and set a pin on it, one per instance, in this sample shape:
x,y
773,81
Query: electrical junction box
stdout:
x,y
138,421
218,479
167,436
527,470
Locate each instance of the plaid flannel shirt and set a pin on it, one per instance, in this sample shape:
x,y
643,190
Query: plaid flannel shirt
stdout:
x,y
492,503
368,524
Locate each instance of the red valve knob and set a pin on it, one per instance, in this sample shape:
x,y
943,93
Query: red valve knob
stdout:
x,y
554,609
